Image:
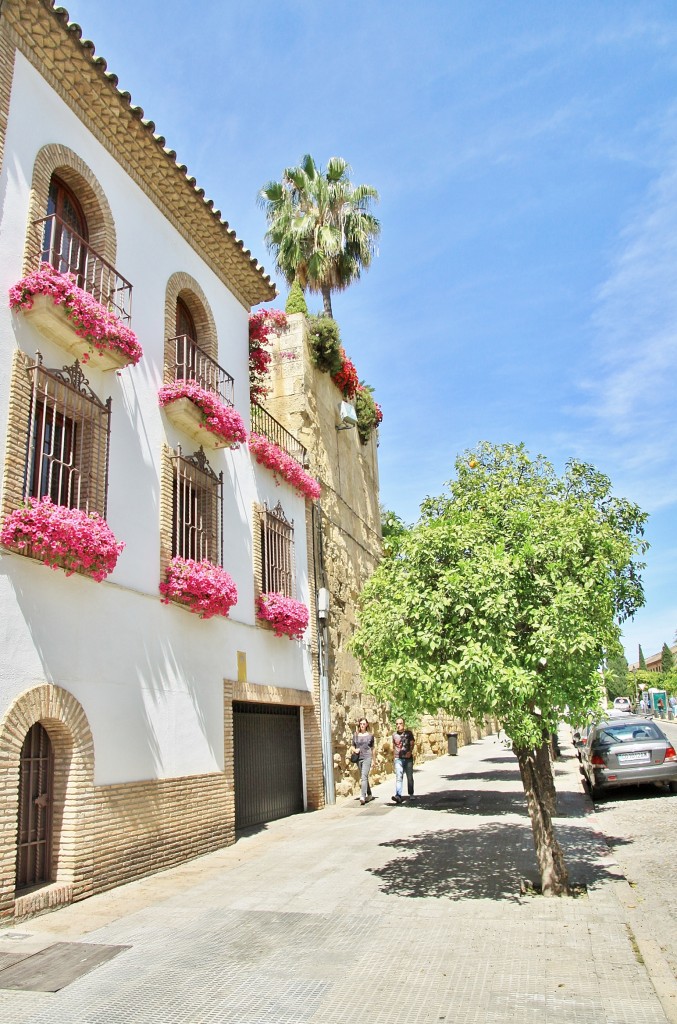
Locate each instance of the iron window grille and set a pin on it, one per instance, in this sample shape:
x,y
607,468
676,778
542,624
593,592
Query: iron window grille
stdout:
x,y
68,439
277,552
197,508
192,363
267,426
65,250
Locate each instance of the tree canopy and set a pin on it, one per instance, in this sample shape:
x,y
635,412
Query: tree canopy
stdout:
x,y
321,230
667,659
504,600
507,594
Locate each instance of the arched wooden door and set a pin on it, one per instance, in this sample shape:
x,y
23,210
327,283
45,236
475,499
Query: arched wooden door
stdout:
x,y
34,837
65,240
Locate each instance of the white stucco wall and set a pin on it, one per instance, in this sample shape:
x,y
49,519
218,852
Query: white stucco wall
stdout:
x,y
149,676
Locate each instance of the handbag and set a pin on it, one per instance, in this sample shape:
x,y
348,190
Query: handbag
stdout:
x,y
354,758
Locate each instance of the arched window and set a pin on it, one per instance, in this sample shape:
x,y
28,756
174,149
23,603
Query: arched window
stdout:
x,y
192,362
185,325
62,202
66,235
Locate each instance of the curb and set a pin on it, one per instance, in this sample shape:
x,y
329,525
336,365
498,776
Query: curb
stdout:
x,y
648,950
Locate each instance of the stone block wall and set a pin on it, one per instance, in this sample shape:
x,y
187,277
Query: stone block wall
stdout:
x,y
347,548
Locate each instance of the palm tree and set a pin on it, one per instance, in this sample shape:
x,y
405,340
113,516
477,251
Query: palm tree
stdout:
x,y
320,228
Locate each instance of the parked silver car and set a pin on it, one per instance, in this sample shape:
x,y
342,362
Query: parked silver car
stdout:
x,y
627,751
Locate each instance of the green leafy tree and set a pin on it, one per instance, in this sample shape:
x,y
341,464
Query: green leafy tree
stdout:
x,y
617,677
642,659
393,530
667,659
503,600
296,300
321,230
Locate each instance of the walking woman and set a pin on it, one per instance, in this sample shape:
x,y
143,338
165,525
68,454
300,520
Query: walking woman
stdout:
x,y
363,744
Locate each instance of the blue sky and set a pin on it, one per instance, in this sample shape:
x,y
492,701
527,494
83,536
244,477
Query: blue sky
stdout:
x,y
526,157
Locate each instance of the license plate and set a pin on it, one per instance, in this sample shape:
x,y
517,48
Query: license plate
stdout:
x,y
638,758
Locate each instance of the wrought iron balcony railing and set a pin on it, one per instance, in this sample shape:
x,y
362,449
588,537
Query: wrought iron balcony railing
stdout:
x,y
191,363
266,425
68,253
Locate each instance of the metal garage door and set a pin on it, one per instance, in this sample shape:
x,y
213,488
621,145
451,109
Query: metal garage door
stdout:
x,y
268,774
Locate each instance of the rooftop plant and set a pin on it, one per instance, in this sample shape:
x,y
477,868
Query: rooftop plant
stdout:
x,y
325,344
262,324
296,300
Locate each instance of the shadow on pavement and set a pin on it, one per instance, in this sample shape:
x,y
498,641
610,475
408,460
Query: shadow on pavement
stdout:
x,y
500,775
470,801
486,862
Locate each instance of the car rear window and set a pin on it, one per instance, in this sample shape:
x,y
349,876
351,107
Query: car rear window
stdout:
x,y
628,733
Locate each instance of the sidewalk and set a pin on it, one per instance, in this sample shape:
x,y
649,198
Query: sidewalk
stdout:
x,y
407,914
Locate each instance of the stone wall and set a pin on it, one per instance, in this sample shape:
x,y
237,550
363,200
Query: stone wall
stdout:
x,y
347,548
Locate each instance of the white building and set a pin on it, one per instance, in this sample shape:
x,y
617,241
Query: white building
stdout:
x,y
117,711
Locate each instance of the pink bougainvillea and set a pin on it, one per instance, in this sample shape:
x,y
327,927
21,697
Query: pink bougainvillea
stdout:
x,y
272,457
347,380
62,538
95,324
261,325
206,589
285,615
222,420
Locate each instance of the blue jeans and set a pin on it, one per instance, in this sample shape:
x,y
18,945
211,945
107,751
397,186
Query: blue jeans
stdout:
x,y
402,765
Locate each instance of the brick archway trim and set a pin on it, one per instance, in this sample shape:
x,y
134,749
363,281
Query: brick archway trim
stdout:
x,y
66,723
60,160
182,286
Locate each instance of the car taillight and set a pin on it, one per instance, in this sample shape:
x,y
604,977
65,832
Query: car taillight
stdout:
x,y
671,754
597,759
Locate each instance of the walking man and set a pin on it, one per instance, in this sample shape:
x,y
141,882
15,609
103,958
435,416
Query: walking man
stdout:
x,y
403,753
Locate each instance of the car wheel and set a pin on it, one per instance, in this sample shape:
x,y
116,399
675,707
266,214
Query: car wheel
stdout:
x,y
595,791
672,786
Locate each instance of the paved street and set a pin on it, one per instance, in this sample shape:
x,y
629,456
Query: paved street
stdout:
x,y
410,913
640,825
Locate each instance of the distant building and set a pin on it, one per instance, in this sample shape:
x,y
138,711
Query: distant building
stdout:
x,y
653,663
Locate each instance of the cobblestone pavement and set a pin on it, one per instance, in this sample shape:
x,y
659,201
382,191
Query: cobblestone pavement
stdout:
x,y
410,913
640,825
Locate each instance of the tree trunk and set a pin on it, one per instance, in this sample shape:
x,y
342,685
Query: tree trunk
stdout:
x,y
543,767
326,300
554,876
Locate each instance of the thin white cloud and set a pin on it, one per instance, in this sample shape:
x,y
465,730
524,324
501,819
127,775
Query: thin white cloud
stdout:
x,y
631,394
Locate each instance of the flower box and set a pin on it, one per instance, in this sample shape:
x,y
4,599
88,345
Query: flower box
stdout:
x,y
202,415
286,616
186,417
283,465
62,538
53,323
202,587
74,319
